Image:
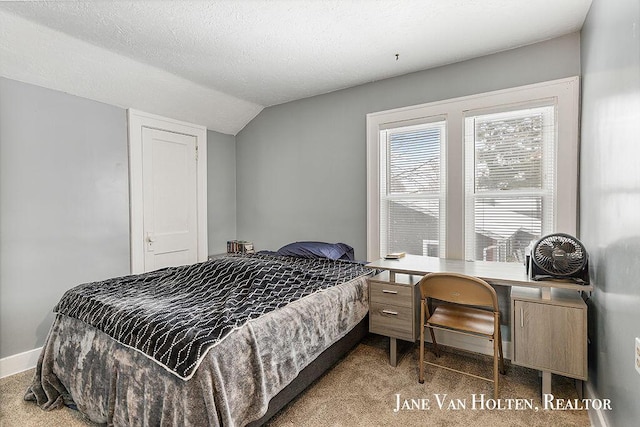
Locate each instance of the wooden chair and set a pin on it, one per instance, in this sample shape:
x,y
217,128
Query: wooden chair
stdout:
x,y
468,306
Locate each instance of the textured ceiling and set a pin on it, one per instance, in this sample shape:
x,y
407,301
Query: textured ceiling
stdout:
x,y
229,59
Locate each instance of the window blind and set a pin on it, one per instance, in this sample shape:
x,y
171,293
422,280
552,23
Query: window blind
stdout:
x,y
509,182
412,189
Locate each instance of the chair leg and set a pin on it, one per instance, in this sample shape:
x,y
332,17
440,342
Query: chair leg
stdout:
x,y
496,377
436,350
502,370
421,375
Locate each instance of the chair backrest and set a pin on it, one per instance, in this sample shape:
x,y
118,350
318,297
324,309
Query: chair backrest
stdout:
x,y
459,289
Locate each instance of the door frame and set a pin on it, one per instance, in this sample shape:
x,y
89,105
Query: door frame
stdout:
x,y
137,120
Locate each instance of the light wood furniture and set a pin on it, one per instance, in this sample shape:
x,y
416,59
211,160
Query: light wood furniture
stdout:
x,y
499,273
394,309
513,275
549,334
469,307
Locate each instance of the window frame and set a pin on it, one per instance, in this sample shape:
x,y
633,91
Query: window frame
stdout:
x,y
440,195
564,92
548,184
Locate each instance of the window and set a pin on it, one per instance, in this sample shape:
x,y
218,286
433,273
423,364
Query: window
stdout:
x,y
510,165
476,177
412,189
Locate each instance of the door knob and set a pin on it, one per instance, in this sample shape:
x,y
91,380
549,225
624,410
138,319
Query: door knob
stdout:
x,y
150,242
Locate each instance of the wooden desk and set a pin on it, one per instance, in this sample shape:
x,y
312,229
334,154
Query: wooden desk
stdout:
x,y
541,297
497,273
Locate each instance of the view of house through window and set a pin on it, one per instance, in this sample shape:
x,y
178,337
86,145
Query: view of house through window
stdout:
x,y
478,177
412,189
509,182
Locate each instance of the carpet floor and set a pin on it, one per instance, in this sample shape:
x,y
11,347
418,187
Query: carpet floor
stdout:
x,y
364,390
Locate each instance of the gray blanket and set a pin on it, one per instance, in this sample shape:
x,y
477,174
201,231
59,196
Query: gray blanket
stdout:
x,y
111,383
176,314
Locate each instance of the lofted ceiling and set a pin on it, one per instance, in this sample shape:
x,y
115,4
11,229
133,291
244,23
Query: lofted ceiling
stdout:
x,y
219,63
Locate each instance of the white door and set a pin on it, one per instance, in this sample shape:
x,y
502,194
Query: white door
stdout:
x,y
168,189
169,172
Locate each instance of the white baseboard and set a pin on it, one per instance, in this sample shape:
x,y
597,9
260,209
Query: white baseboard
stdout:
x,y
596,416
19,362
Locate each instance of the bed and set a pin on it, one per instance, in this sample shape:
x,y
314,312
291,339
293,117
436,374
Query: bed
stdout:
x,y
226,342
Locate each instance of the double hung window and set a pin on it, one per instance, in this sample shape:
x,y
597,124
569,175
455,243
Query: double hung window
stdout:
x,y
509,181
412,189
475,178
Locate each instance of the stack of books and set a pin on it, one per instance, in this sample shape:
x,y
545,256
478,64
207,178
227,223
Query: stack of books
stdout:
x,y
395,255
239,246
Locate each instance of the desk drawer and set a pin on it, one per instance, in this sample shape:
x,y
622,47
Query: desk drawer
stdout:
x,y
391,320
386,293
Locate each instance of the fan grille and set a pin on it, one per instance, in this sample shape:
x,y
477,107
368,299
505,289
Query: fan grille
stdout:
x,y
559,254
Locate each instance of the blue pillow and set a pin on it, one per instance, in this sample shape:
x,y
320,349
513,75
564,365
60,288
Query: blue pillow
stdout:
x,y
317,250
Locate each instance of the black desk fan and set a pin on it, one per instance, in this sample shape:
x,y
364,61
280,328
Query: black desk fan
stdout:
x,y
560,256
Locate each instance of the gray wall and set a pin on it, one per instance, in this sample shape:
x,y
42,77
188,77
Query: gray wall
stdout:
x,y
301,165
610,199
221,187
64,204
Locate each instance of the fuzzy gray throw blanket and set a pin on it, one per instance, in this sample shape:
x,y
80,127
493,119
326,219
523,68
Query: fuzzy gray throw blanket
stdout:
x,y
116,384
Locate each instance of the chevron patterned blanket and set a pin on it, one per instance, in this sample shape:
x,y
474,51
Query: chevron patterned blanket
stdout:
x,y
176,315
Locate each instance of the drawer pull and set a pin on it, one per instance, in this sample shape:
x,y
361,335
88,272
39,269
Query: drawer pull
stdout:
x,y
386,291
521,317
393,313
